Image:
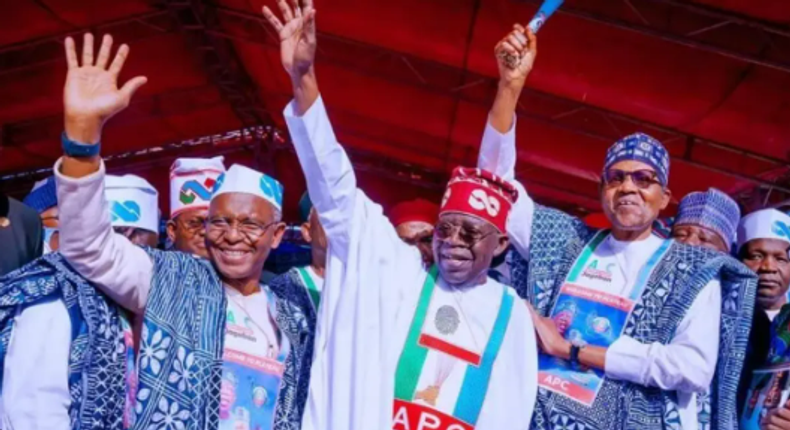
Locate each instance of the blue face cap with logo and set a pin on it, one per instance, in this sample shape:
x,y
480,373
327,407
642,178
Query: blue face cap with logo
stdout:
x,y
764,224
133,202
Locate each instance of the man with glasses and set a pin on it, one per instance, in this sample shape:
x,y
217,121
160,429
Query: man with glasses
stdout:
x,y
218,349
401,346
631,327
191,183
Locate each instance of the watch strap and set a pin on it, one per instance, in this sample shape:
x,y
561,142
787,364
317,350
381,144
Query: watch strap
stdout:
x,y
79,150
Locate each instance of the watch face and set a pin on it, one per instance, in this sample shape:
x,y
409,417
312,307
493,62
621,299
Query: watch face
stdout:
x,y
578,342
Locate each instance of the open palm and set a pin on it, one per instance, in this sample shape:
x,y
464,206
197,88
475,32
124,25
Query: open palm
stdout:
x,y
297,35
91,89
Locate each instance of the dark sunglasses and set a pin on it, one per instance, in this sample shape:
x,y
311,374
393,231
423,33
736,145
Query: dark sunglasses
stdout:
x,y
641,178
469,236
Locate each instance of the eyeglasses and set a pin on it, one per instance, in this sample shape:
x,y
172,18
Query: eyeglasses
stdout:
x,y
469,236
193,224
641,178
219,226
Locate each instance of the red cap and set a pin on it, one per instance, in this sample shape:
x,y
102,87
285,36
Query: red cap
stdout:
x,y
414,210
479,193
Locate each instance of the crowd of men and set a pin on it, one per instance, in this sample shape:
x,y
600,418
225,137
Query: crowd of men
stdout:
x,y
483,311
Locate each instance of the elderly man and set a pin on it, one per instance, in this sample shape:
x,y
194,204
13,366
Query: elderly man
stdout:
x,y
763,245
44,200
624,318
59,335
218,350
191,183
20,234
707,219
401,346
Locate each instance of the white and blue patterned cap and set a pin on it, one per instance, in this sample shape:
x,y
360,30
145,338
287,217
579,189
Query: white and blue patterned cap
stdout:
x,y
640,147
711,209
133,202
241,179
764,224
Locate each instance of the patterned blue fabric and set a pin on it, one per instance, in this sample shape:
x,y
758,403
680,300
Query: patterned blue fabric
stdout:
x,y
97,361
557,239
182,340
712,209
42,197
640,147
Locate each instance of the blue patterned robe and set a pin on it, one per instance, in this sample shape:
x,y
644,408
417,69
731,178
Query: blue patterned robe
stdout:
x,y
557,239
182,345
97,363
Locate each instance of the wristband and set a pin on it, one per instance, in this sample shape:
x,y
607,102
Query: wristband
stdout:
x,y
79,150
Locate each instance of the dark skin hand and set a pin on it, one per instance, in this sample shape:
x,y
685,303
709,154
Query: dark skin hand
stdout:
x,y
552,343
777,419
91,97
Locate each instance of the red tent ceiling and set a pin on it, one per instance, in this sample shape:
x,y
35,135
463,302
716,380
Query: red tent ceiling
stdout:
x,y
409,84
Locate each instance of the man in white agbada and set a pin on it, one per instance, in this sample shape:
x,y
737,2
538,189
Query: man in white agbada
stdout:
x,y
401,347
35,390
191,183
633,316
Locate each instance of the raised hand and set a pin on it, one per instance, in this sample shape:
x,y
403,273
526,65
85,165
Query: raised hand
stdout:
x,y
515,55
91,95
297,35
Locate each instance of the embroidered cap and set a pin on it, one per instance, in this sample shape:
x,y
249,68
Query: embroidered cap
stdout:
x,y
711,209
192,182
640,147
414,210
479,193
241,179
43,195
764,224
133,202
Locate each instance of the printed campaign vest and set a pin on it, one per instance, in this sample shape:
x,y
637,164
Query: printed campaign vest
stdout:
x,y
585,313
556,242
415,408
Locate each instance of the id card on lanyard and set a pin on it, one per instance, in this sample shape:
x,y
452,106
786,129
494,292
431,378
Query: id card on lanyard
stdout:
x,y
587,315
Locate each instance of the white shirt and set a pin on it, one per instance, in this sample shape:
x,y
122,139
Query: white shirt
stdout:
x,y
369,297
35,393
687,364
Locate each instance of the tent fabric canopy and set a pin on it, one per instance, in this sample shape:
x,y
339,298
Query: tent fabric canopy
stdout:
x,y
409,85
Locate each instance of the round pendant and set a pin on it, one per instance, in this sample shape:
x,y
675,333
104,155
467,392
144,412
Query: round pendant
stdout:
x,y
447,320
4,222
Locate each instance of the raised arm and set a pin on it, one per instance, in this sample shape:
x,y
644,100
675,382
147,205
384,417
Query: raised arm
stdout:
x,y
91,97
498,149
341,207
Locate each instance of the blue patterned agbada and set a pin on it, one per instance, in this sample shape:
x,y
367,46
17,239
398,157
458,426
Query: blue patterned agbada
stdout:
x,y
557,239
97,361
183,336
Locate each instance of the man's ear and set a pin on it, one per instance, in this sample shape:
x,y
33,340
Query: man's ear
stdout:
x,y
502,246
306,232
171,230
277,236
667,198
